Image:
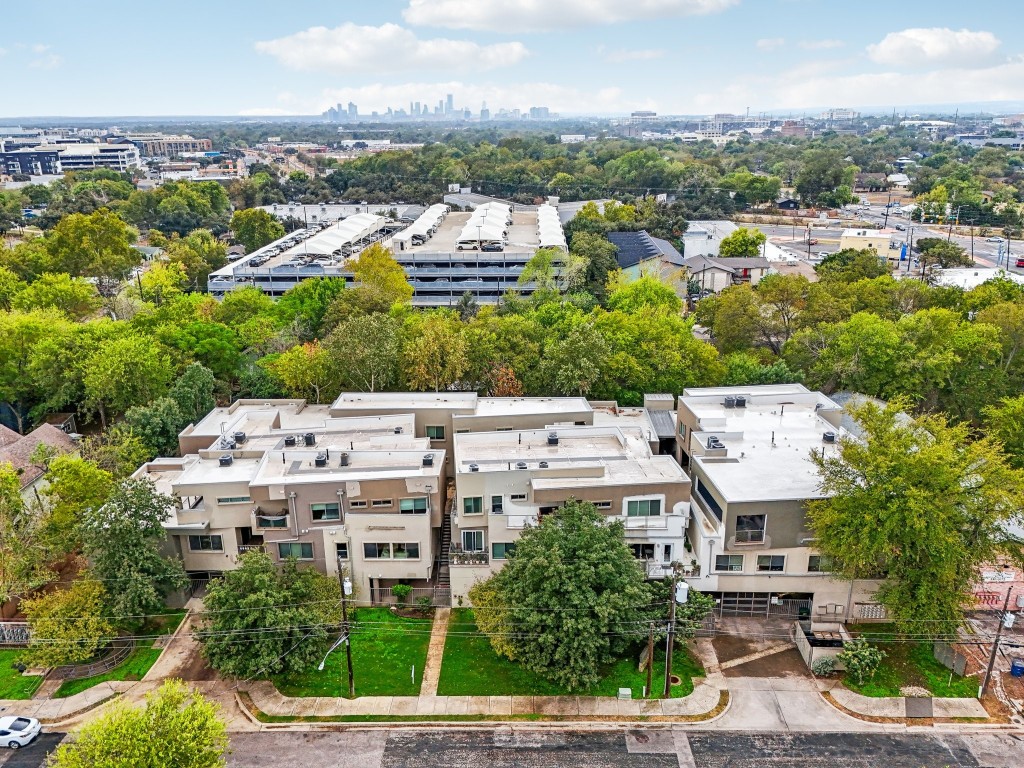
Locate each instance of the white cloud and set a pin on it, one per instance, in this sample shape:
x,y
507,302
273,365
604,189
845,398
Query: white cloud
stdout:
x,y
50,61
544,15
40,48
936,46
770,43
820,45
384,49
621,56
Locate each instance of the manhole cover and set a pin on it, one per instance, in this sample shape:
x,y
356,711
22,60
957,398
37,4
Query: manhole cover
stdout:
x,y
675,679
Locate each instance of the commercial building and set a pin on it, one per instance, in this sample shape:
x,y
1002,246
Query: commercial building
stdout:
x,y
748,450
863,239
55,159
161,145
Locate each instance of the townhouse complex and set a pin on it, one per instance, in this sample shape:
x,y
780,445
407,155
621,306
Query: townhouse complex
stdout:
x,y
434,489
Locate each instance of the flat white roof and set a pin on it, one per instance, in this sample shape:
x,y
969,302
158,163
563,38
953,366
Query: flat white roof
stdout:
x,y
298,466
410,400
506,406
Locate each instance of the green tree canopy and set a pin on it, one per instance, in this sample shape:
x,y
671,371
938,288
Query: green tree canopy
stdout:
x,y
254,228
742,243
68,625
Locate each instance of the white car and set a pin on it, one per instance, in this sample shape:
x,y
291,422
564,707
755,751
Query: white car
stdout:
x,y
994,240
17,732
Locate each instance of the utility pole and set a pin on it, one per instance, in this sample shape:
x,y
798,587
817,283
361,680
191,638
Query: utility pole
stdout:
x,y
671,629
995,644
972,239
346,590
650,658
888,202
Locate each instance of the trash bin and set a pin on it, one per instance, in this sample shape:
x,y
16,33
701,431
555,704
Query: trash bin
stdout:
x,y
1017,667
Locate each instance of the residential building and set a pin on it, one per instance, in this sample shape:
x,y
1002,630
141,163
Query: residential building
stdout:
x,y
161,145
862,239
18,450
748,450
55,159
641,254
506,481
716,275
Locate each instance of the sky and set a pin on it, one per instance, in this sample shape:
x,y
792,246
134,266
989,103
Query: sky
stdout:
x,y
226,57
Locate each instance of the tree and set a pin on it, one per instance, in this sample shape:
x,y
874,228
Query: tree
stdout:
x,y
75,487
943,254
23,558
851,265
72,296
600,256
542,270
123,540
918,504
176,727
745,369
94,245
124,372
68,626
861,659
1004,423
193,392
10,285
264,621
306,371
435,353
383,278
254,228
572,593
198,254
367,349
157,425
822,172
647,292
573,363
306,305
742,243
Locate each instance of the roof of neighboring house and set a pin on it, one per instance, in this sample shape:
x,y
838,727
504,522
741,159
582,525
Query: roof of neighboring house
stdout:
x,y
8,436
636,247
697,264
19,453
701,263
663,424
744,262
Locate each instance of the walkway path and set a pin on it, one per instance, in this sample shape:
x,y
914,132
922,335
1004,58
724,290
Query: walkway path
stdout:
x,y
435,652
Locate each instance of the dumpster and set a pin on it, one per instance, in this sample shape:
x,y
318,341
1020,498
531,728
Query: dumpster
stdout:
x,y
1017,667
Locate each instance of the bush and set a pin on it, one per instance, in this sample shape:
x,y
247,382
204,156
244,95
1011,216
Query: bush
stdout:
x,y
401,592
424,603
861,659
824,666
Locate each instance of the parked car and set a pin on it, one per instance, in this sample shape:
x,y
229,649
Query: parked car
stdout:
x,y
1020,262
994,240
17,732
493,247
812,241
901,228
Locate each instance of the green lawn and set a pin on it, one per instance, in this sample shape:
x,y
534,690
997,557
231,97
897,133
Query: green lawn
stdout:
x,y
13,684
471,668
134,667
908,663
385,647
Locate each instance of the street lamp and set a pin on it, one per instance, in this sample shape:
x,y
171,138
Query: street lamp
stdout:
x,y
346,591
340,640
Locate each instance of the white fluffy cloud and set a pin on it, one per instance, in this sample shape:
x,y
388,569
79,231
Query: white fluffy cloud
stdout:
x,y
385,49
935,46
546,15
770,43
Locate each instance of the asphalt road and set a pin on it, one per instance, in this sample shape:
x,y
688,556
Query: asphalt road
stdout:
x,y
522,747
32,756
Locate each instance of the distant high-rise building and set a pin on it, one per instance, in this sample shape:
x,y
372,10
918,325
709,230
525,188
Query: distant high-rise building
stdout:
x,y
416,110
539,113
485,113
450,104
353,110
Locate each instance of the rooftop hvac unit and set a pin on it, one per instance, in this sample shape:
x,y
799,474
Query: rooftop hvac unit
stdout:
x,y
474,467
741,401
428,460
229,443
239,437
543,465
320,460
829,437
714,442
398,430
552,438
520,465
309,438
730,401
226,460
289,441
343,461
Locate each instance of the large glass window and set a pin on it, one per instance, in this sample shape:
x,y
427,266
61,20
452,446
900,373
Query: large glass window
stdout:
x,y
500,550
819,564
497,504
341,551
472,505
771,562
709,501
206,543
435,432
328,511
406,551
729,563
750,529
473,541
643,508
301,550
417,506
377,551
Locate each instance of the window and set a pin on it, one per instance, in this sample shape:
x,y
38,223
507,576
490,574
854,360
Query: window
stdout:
x,y
234,500
771,562
603,504
461,431
417,506
819,564
435,433
643,508
328,511
281,521
379,503
204,543
642,551
300,550
729,563
357,505
501,550
503,429
709,501
682,429
408,551
341,551
750,529
497,503
518,497
473,541
472,505
667,554
377,551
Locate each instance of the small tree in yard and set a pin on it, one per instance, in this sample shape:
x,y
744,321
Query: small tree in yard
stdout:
x,y
176,727
68,626
861,659
401,592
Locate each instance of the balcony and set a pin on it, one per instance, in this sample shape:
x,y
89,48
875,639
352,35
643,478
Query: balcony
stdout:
x,y
659,522
243,548
655,569
457,556
749,539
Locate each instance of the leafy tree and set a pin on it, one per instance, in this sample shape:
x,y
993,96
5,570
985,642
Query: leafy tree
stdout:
x,y
921,506
367,350
193,392
157,425
647,292
600,256
572,364
123,540
861,659
75,487
1004,423
306,305
943,254
383,278
742,243
94,245
255,228
306,371
467,307
198,254
505,384
67,626
124,372
73,296
11,204
542,269
744,369
435,354
822,172
851,265
571,594
118,451
266,621
176,727
10,285
23,558
243,304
